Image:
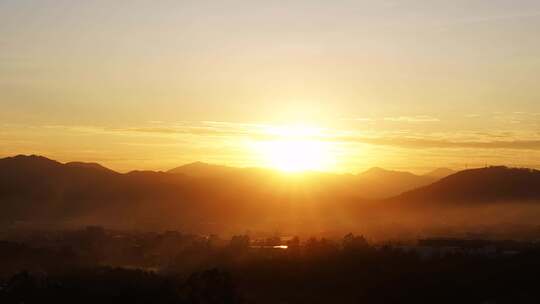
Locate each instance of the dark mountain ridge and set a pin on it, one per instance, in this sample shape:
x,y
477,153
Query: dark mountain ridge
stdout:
x,y
488,184
94,166
201,169
374,183
37,189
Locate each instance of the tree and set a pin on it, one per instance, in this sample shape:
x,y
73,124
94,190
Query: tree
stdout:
x,y
239,242
354,243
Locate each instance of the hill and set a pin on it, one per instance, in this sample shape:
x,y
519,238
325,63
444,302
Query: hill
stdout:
x,y
205,198
480,185
377,183
200,169
374,183
94,166
36,189
439,173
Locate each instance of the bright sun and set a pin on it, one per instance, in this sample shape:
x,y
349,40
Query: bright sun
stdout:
x,y
295,150
295,155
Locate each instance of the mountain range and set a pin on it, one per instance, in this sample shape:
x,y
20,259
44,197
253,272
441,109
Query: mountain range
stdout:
x,y
205,197
375,183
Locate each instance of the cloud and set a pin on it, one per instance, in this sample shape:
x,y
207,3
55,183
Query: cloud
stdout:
x,y
361,119
496,18
505,17
203,129
427,143
509,140
158,130
412,119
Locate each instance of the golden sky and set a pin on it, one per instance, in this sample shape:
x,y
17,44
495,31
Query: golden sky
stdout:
x,y
408,85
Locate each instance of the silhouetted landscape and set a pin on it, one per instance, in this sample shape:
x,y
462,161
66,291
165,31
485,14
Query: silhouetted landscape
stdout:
x,y
200,198
274,152
204,233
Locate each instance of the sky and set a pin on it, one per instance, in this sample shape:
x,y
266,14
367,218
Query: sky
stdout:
x,y
405,85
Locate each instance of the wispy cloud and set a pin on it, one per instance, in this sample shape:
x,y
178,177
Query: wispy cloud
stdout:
x,y
360,119
231,132
502,17
413,119
442,143
494,18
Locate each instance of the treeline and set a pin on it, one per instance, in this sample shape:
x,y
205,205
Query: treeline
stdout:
x,y
349,270
115,285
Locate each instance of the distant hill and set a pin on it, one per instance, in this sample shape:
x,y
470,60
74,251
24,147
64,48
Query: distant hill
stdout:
x,y
29,184
200,169
94,166
480,185
380,183
440,173
35,188
372,184
202,197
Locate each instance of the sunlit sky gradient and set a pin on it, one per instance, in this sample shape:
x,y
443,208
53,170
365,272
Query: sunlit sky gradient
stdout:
x,y
408,85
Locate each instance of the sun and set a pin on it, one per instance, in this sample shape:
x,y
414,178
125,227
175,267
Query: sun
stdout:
x,y
296,155
295,150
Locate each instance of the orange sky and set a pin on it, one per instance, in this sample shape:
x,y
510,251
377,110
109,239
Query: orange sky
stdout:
x,y
408,85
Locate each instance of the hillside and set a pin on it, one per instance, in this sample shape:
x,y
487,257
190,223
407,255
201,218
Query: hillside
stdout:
x,y
377,183
35,189
440,173
200,169
480,185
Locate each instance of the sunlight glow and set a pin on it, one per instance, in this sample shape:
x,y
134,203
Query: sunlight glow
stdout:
x,y
295,149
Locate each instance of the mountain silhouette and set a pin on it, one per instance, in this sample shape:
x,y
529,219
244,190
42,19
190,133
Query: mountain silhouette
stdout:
x,y
38,189
372,184
200,169
203,197
480,185
94,166
379,183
